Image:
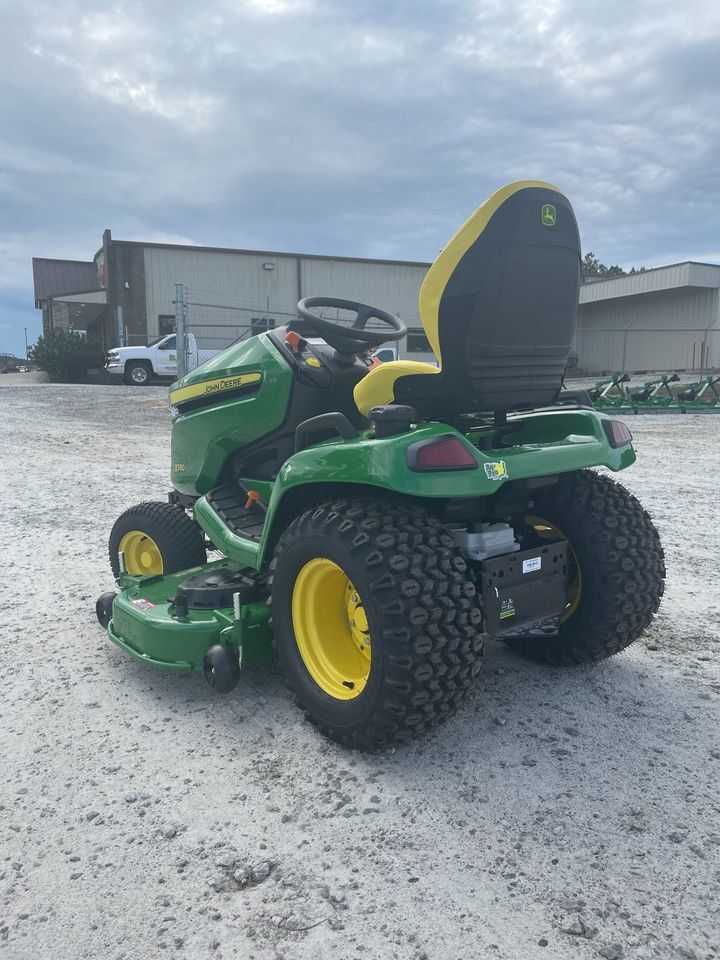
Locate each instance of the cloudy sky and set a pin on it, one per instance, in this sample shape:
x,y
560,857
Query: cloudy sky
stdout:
x,y
353,127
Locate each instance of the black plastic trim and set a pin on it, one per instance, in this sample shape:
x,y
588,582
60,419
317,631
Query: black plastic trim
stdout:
x,y
337,422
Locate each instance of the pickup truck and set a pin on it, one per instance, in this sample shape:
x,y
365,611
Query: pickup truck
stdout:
x,y
139,365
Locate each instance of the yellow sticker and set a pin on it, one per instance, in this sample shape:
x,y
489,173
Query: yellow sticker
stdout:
x,y
496,470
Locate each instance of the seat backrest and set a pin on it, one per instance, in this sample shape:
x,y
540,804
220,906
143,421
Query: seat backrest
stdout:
x,y
499,304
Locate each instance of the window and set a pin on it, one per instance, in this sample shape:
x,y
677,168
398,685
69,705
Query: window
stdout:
x,y
168,345
261,324
417,342
386,354
166,323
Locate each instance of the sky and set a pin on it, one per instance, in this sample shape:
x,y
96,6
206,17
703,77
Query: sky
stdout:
x,y
350,127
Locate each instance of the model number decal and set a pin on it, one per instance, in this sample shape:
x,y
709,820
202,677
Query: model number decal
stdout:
x,y
534,563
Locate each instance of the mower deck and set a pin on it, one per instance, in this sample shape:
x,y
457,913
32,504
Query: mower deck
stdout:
x,y
149,624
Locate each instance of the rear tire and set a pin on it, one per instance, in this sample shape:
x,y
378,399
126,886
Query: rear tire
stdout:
x,y
423,626
173,541
621,563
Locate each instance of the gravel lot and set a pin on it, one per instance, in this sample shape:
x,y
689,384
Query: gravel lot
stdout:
x,y
561,814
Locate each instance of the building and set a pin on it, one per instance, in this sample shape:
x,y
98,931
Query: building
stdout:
x,y
662,319
667,318
127,293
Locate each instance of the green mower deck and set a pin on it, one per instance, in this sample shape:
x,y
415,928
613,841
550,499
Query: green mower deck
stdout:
x,y
148,623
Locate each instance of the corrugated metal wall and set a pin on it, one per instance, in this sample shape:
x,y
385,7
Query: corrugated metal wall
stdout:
x,y
391,287
645,320
217,278
239,280
662,330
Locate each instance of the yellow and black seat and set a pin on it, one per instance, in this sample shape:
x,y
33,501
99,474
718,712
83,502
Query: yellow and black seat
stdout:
x,y
498,306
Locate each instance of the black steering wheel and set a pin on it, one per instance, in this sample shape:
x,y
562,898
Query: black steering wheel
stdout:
x,y
353,339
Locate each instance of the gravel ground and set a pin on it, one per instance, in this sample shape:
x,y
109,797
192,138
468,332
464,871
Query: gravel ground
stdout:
x,y
561,814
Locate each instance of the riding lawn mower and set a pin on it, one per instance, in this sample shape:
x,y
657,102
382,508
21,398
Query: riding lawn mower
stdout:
x,y
372,528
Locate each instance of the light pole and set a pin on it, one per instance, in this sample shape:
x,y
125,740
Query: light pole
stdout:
x,y
27,361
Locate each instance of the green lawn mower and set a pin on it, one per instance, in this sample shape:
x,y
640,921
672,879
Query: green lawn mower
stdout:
x,y
375,526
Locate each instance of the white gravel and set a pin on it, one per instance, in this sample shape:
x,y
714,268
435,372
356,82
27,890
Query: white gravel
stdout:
x,y
561,814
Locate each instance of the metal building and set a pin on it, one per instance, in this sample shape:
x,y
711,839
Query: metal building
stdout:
x,y
229,293
662,319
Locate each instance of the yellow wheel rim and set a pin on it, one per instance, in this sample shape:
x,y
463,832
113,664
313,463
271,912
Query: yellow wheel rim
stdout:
x,y
549,531
142,554
331,629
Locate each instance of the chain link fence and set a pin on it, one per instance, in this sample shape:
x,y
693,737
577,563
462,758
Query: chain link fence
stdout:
x,y
207,326
638,350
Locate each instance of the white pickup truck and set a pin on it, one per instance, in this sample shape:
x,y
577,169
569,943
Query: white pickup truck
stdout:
x,y
139,365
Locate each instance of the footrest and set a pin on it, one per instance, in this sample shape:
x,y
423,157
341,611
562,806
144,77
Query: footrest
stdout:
x,y
228,502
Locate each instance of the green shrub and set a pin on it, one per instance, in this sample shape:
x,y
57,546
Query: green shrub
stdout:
x,y
66,355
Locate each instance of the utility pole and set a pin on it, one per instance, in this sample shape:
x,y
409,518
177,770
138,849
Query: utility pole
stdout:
x,y
27,359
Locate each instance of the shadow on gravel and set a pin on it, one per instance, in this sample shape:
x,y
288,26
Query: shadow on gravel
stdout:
x,y
517,715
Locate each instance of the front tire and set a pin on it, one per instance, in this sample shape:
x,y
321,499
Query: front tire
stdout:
x,y
137,374
617,568
376,620
156,538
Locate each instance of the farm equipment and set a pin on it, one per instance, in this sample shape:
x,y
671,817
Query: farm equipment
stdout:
x,y
611,392
375,527
657,396
656,392
702,392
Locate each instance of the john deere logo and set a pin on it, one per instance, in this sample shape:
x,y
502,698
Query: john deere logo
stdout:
x,y
548,215
496,470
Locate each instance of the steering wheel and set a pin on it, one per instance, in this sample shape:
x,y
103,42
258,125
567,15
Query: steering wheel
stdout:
x,y
354,339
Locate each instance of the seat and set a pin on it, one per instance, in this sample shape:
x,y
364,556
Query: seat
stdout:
x,y
498,306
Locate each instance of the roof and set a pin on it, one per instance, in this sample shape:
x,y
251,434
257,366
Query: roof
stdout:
x,y
686,274
53,277
266,253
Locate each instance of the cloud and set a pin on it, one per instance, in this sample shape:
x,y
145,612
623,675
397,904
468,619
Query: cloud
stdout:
x,y
353,128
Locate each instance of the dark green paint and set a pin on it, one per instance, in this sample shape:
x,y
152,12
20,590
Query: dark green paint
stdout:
x,y
203,439
545,443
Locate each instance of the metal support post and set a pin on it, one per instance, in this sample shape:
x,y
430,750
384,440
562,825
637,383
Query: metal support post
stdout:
x,y
180,332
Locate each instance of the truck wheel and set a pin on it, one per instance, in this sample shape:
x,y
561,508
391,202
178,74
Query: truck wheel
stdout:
x,y
376,620
137,374
617,568
156,538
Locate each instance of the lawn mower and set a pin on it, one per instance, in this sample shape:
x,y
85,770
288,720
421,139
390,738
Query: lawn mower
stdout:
x,y
373,527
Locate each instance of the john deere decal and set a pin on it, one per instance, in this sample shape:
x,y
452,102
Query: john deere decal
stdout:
x,y
496,470
548,215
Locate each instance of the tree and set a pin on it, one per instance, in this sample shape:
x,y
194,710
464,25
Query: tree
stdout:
x,y
65,355
591,266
